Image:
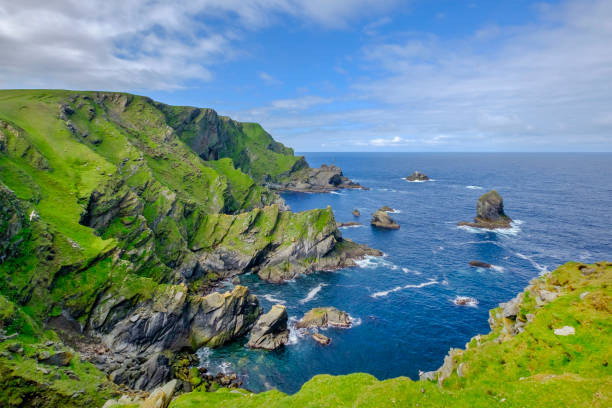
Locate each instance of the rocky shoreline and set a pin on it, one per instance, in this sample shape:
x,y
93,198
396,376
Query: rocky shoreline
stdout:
x,y
314,180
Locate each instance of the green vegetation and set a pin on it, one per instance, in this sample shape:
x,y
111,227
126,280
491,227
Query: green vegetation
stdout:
x,y
108,199
534,368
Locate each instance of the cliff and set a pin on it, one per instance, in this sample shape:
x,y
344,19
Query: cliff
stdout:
x,y
120,215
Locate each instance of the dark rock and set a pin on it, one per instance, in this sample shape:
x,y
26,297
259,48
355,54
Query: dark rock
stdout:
x,y
324,316
480,264
321,339
489,212
61,358
356,213
381,219
270,330
417,176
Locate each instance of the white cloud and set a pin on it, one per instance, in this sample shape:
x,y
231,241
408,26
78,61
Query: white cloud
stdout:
x,y
269,79
143,44
544,86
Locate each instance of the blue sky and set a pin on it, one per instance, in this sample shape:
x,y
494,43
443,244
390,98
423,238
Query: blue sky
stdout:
x,y
344,75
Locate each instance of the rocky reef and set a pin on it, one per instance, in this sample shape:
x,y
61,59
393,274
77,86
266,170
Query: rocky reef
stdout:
x,y
489,213
380,219
417,176
322,317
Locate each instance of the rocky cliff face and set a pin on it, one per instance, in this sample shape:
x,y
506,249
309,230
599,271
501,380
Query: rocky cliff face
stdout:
x,y
120,216
302,178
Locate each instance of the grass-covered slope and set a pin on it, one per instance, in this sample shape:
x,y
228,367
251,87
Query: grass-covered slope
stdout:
x,y
520,363
105,204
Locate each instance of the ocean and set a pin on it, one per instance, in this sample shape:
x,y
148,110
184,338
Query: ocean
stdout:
x,y
401,305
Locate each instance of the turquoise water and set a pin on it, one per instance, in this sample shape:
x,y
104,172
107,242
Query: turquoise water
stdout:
x,y
404,318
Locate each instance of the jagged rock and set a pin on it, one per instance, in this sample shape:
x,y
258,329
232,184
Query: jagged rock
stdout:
x,y
512,307
321,179
356,213
321,339
480,264
381,219
417,176
324,316
12,223
173,321
427,375
386,208
343,255
270,330
489,213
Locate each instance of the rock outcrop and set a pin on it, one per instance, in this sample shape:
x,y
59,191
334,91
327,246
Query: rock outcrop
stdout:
x,y
318,180
12,222
356,213
489,213
270,330
480,264
381,219
321,339
347,224
417,176
343,255
322,317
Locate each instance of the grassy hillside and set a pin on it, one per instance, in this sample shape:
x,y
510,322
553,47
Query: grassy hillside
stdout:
x,y
105,203
531,368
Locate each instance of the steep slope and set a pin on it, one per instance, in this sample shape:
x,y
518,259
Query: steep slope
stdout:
x,y
114,231
525,361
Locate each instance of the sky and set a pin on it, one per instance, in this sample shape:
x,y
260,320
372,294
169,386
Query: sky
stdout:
x,y
342,75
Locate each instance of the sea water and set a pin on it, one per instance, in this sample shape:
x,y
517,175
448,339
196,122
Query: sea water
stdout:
x,y
403,305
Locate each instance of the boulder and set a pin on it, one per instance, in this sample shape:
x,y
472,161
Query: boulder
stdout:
x,y
480,264
322,317
356,213
270,330
417,176
381,219
61,358
160,397
321,339
489,213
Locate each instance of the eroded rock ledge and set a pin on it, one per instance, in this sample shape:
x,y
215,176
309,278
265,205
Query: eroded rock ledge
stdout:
x,y
314,180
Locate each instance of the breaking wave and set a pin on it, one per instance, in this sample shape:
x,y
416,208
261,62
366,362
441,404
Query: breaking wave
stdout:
x,y
313,293
371,262
514,229
474,187
465,301
272,299
398,288
541,268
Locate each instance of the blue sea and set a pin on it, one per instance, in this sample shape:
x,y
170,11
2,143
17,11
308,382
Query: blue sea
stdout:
x,y
401,305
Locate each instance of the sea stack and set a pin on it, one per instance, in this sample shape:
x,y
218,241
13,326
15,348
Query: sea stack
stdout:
x,y
270,330
381,219
417,176
489,212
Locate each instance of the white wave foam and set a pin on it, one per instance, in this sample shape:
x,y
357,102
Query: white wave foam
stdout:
x,y
413,271
272,299
350,226
371,262
394,211
416,181
465,301
335,192
513,230
204,356
295,334
474,187
398,288
497,268
355,321
541,268
313,293
224,367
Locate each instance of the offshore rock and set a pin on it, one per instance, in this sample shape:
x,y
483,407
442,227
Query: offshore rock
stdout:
x,y
480,264
321,339
321,317
489,213
270,330
381,219
417,176
356,213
